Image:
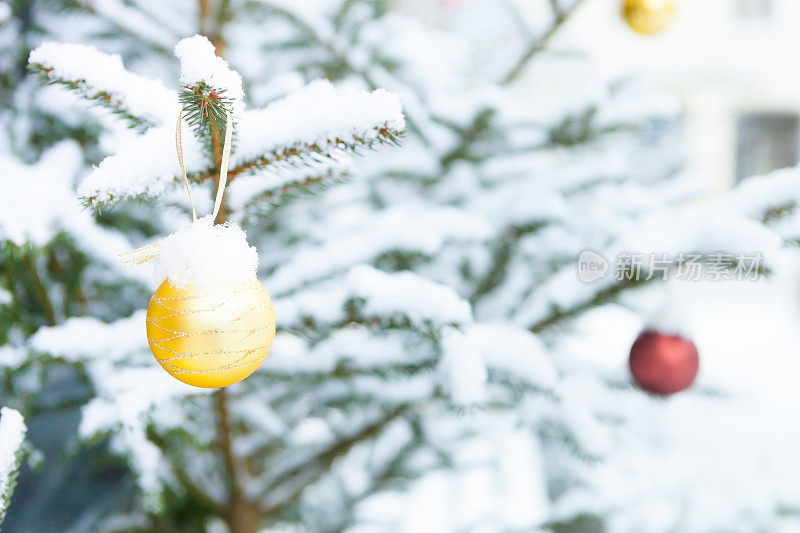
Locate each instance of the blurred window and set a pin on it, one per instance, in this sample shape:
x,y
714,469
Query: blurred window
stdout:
x,y
766,142
754,8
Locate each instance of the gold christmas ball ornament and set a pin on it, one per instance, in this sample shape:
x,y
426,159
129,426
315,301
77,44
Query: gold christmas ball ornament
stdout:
x,y
648,17
210,338
210,323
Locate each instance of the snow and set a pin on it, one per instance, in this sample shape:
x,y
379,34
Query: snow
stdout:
x,y
407,240
38,202
671,318
318,114
407,229
718,457
517,353
12,356
355,347
25,213
199,63
246,191
12,433
407,294
147,166
205,255
5,12
139,20
462,370
5,297
97,72
382,294
130,388
127,397
89,338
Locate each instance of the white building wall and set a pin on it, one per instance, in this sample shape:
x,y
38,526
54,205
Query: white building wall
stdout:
x,y
717,61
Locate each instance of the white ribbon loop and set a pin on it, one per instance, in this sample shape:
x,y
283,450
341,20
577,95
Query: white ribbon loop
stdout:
x,y
150,251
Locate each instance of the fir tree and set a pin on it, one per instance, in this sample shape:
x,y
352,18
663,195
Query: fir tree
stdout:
x,y
409,285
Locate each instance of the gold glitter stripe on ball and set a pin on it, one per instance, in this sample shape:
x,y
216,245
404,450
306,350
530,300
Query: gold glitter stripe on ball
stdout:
x,y
155,321
233,364
190,355
225,368
186,335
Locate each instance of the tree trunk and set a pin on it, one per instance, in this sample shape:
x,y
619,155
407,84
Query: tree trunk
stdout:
x,y
245,517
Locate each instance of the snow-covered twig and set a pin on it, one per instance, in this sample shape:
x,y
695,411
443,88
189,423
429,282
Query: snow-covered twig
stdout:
x,y
311,126
12,433
102,78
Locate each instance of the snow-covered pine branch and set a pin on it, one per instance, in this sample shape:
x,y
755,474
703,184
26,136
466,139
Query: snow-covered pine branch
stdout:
x,y
12,433
309,127
278,185
316,122
772,199
371,294
407,229
102,78
210,90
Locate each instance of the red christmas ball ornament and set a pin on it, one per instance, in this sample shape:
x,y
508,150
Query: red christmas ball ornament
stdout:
x,y
663,364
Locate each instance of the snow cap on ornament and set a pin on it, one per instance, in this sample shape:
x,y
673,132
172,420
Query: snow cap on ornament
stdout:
x,y
210,323
205,255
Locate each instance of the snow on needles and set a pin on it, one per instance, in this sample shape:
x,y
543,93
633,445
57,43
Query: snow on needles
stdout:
x,y
205,255
146,167
199,63
12,432
96,72
318,114
5,12
408,294
462,370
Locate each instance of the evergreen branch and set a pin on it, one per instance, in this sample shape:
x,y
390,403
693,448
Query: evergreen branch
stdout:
x,y
502,254
206,110
100,97
778,213
338,57
604,296
293,481
117,19
102,78
12,434
344,371
482,120
7,490
181,473
392,473
304,185
540,43
325,137
305,153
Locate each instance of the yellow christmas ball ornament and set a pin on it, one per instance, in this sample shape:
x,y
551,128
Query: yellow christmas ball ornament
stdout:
x,y
648,16
210,323
210,337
